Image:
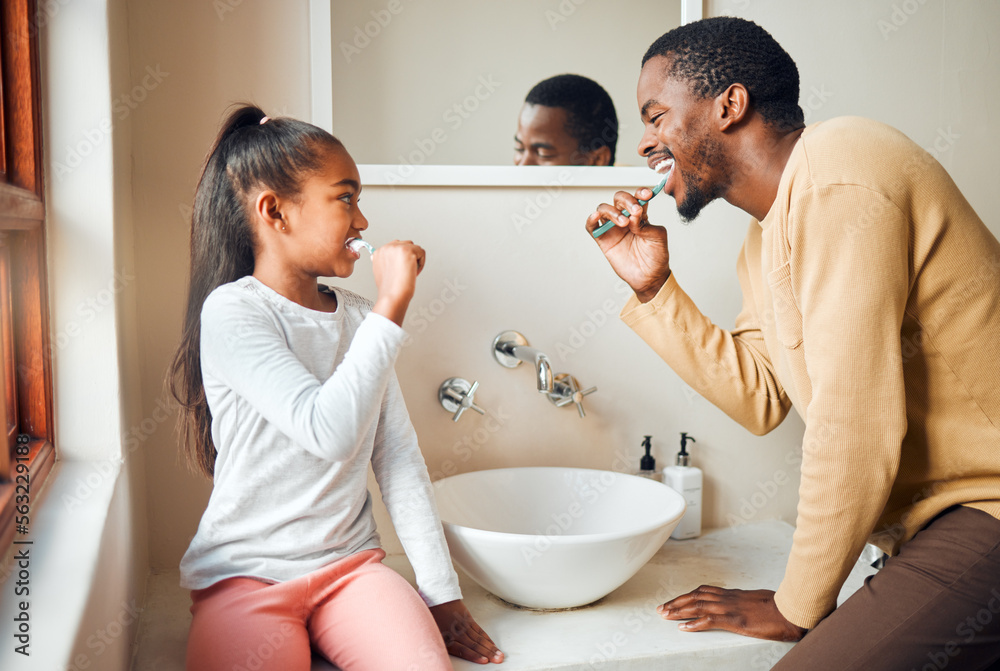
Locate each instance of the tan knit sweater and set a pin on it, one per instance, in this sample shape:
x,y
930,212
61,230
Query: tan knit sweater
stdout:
x,y
871,302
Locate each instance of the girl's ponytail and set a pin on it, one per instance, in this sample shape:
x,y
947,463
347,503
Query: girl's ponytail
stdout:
x,y
250,152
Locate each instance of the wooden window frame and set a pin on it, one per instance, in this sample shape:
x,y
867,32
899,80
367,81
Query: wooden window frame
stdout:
x,y
25,350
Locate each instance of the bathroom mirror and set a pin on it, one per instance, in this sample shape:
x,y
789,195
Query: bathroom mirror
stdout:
x,y
441,83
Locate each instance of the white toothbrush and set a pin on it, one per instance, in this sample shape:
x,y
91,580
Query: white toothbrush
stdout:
x,y
357,244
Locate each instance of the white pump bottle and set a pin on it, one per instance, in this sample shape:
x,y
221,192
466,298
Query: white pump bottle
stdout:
x,y
686,480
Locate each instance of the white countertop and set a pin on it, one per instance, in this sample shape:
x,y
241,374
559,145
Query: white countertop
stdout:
x,y
623,632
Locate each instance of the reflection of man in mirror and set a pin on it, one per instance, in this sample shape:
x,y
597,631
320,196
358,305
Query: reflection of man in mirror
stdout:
x,y
566,120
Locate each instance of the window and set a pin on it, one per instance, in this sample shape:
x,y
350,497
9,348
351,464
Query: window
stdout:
x,y
25,363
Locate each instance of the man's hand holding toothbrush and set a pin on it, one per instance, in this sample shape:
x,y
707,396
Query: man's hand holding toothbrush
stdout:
x,y
636,249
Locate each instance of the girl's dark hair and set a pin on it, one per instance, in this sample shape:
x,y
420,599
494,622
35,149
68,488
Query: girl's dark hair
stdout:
x,y
247,156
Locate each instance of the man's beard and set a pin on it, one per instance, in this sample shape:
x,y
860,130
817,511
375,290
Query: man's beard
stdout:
x,y
697,192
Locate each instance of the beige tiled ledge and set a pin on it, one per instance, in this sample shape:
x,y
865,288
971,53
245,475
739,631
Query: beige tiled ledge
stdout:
x,y
621,631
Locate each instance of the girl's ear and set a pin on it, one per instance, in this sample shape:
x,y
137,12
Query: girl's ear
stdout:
x,y
268,212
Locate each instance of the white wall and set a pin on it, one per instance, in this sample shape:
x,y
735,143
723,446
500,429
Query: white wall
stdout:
x,y
404,69
546,279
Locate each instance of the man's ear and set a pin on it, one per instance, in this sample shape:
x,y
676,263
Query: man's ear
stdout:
x,y
600,156
267,210
732,105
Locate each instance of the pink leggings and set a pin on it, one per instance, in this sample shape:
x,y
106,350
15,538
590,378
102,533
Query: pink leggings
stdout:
x,y
356,612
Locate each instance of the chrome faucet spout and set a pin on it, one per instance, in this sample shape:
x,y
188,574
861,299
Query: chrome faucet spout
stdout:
x,y
543,369
544,373
510,348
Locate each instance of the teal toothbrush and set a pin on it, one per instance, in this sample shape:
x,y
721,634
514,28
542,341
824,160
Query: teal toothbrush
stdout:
x,y
608,225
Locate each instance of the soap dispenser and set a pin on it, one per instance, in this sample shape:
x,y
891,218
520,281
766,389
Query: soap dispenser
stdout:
x,y
647,464
686,480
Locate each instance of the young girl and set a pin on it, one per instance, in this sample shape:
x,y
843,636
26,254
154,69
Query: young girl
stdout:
x,y
288,393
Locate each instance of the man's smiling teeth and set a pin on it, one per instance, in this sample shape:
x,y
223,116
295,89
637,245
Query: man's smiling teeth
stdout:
x,y
664,165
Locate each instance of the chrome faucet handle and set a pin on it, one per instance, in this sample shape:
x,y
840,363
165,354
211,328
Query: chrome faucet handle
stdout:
x,y
567,390
457,395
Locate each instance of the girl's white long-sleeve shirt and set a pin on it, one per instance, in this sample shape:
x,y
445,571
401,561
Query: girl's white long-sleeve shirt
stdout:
x,y
302,401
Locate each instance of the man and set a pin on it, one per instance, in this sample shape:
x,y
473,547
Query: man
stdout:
x,y
566,120
872,304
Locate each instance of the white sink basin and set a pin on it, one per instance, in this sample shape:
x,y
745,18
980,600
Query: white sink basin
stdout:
x,y
550,538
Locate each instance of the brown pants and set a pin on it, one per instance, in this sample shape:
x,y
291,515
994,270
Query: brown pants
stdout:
x,y
935,606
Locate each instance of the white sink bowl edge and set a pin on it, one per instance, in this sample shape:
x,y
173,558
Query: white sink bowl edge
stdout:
x,y
552,537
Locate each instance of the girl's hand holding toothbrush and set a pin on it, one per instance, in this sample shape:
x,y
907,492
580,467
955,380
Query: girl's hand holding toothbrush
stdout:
x,y
636,249
396,266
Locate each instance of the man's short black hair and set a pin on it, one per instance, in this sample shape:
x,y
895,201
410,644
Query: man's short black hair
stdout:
x,y
590,114
714,53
